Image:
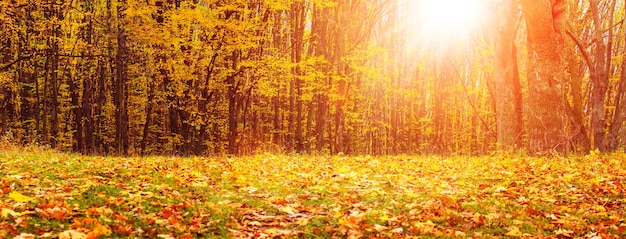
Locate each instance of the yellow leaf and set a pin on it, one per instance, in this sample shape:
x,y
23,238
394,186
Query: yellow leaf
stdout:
x,y
199,184
599,208
514,232
288,210
6,212
303,221
18,197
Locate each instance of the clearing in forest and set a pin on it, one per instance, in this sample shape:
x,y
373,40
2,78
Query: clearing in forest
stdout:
x,y
49,194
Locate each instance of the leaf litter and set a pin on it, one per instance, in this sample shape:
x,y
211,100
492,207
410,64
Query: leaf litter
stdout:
x,y
53,195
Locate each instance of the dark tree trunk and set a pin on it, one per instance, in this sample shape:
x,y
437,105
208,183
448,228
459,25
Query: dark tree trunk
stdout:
x,y
292,115
276,126
320,122
298,13
87,116
77,146
54,102
99,125
231,95
120,95
4,91
233,106
148,120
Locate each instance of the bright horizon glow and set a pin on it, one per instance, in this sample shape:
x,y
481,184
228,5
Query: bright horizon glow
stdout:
x,y
442,23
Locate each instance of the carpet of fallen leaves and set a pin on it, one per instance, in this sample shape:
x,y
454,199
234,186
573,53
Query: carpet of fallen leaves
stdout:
x,y
45,194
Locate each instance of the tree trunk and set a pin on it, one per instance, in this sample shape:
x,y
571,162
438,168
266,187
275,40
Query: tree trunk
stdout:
x,y
232,116
4,91
121,120
233,99
600,81
620,107
148,119
87,101
319,38
78,113
54,102
508,89
298,13
546,108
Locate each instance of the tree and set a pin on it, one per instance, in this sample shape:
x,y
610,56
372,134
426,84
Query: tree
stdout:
x,y
508,88
620,99
546,107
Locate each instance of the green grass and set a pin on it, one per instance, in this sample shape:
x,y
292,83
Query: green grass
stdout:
x,y
46,193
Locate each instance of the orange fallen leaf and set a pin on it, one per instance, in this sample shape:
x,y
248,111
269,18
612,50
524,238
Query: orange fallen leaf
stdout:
x,y
98,231
186,236
621,229
123,230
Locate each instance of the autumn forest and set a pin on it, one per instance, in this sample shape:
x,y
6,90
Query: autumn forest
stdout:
x,y
359,77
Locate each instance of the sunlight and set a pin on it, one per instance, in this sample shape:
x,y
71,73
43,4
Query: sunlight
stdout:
x,y
446,22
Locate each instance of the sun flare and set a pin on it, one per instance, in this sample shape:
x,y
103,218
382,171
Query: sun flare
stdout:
x,y
447,21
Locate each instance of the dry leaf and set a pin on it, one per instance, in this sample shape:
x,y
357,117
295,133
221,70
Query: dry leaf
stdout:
x,y
18,197
72,234
5,213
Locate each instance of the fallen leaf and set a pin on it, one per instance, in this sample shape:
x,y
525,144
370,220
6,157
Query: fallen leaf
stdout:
x,y
72,234
186,236
100,230
24,236
563,232
621,229
379,228
123,230
165,236
289,210
18,197
514,232
353,234
5,213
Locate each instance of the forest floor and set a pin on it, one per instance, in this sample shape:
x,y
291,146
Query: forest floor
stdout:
x,y
44,193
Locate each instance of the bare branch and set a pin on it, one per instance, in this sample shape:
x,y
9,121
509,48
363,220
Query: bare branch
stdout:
x,y
581,47
7,66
